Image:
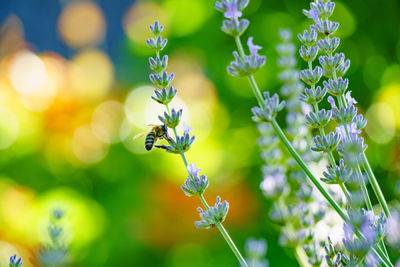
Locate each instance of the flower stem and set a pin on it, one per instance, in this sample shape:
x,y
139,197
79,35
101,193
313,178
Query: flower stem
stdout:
x,y
221,228
301,257
301,163
364,189
371,177
342,102
346,192
226,236
251,79
374,184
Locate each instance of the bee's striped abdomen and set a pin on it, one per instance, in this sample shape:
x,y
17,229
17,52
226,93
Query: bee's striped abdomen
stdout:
x,y
149,142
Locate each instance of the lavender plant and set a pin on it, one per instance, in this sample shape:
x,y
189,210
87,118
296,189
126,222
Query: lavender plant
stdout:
x,y
363,240
14,262
195,184
296,207
55,252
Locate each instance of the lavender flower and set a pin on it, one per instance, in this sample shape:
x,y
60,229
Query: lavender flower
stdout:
x,y
213,215
186,128
232,11
312,14
223,5
272,106
273,185
14,262
253,48
351,129
195,185
246,65
350,100
255,251
308,38
393,229
55,253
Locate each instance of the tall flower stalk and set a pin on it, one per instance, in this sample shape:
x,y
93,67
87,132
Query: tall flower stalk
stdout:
x,y
195,184
364,231
296,206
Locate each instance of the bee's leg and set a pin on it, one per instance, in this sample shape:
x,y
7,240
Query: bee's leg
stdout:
x,y
167,137
162,147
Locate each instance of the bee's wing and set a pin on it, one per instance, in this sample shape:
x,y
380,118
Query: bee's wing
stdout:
x,y
139,135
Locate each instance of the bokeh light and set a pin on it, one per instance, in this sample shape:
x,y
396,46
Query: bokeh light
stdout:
x,y
91,75
37,89
9,128
138,18
381,123
87,147
106,121
82,23
390,95
186,16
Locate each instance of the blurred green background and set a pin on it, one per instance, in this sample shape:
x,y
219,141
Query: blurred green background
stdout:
x,y
74,90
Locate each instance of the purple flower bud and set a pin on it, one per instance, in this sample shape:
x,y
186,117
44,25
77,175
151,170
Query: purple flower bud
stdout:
x,y
192,169
331,101
312,14
351,128
186,128
253,48
350,100
232,11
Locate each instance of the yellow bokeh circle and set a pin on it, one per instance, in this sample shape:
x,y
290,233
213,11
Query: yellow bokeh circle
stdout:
x,y
91,75
81,23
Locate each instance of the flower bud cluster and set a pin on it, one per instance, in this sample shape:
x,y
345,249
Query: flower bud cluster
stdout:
x,y
243,65
272,106
326,143
213,215
56,251
195,185
372,229
14,262
171,121
247,64
232,11
338,174
333,257
320,119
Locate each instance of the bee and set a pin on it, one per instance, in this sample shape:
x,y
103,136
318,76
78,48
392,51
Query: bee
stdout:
x,y
156,132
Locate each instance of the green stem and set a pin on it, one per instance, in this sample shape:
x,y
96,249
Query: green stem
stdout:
x,y
374,184
345,191
301,163
364,189
221,228
301,257
371,177
226,236
342,102
251,79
